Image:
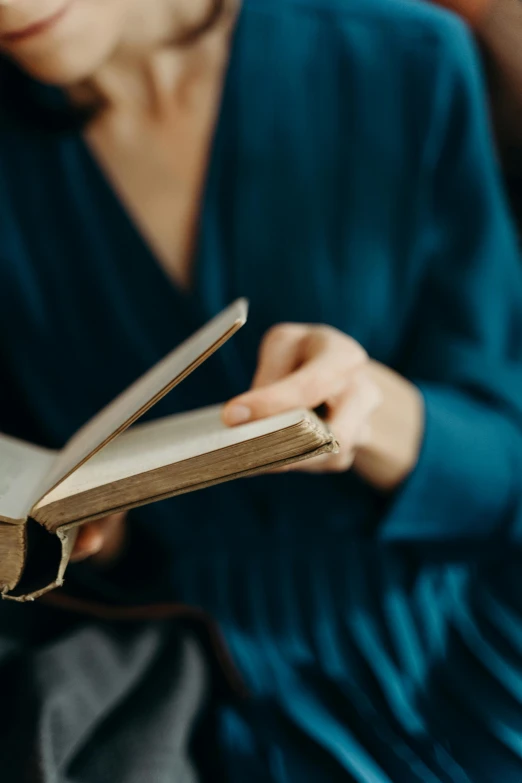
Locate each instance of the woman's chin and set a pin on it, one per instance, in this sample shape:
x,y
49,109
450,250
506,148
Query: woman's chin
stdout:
x,y
63,57
60,68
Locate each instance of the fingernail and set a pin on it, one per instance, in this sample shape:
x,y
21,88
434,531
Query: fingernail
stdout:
x,y
237,414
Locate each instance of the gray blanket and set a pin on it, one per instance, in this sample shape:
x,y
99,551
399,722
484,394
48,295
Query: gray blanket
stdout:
x,y
86,701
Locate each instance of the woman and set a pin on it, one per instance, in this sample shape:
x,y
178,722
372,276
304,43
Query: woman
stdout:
x,y
332,162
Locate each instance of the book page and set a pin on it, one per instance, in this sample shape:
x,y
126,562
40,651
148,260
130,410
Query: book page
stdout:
x,y
23,467
146,391
167,441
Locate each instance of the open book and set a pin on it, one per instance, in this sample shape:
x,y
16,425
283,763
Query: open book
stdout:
x,y
106,467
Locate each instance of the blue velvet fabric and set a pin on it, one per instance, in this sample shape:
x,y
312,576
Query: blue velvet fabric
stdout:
x,y
352,182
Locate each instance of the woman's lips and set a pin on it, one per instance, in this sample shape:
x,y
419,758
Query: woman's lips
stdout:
x,y
16,36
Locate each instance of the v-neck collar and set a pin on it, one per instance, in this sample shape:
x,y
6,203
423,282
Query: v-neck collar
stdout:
x,y
155,277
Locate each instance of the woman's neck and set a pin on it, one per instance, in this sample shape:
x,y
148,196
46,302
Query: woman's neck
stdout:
x,y
155,56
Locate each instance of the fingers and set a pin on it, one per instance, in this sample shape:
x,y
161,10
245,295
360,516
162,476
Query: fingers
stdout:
x,y
304,366
350,422
102,539
280,353
325,358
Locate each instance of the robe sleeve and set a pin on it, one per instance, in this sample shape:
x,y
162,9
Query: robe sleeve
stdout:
x,y
464,342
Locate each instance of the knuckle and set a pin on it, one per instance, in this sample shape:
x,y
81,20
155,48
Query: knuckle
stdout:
x,y
350,353
319,337
273,334
333,333
325,331
357,354
283,333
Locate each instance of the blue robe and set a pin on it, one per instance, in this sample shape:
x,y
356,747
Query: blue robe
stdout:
x,y
352,182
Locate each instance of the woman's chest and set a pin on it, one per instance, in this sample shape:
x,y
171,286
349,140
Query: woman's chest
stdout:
x,y
157,166
86,307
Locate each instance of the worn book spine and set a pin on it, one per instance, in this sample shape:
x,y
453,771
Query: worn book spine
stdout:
x,y
38,571
13,545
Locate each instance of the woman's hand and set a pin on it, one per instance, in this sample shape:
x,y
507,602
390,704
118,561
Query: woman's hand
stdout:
x,y
375,414
101,540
